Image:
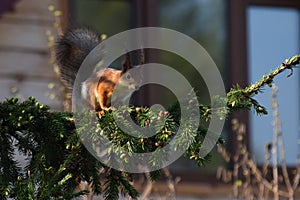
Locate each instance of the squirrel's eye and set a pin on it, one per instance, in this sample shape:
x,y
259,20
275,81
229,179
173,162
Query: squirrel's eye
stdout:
x,y
128,76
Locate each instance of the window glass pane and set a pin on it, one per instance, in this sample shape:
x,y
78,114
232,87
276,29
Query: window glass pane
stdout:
x,y
204,21
273,36
108,17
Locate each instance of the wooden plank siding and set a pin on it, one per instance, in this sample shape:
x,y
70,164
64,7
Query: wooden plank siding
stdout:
x,y
25,69
34,10
23,36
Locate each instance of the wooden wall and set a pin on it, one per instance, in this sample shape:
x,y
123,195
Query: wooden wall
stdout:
x,y
25,68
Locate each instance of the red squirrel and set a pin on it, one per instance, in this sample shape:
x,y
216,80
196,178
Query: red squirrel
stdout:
x,y
72,48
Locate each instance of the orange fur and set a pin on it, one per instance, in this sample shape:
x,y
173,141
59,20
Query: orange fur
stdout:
x,y
101,86
72,48
98,89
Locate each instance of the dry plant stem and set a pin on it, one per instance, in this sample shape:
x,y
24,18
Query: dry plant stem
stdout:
x,y
248,190
278,134
59,26
239,154
256,172
251,173
171,183
235,179
57,14
267,159
262,192
276,124
297,176
148,188
224,153
255,178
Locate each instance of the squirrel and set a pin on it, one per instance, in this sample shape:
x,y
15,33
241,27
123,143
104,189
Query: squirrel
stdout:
x,y
70,51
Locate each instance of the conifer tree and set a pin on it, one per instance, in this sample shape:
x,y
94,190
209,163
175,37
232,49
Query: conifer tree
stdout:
x,y
57,160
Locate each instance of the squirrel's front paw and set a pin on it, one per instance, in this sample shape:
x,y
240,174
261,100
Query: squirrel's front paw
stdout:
x,y
105,110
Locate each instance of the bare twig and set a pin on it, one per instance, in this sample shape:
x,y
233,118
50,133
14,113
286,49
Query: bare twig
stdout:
x,y
257,173
277,132
148,188
297,176
297,172
253,178
171,184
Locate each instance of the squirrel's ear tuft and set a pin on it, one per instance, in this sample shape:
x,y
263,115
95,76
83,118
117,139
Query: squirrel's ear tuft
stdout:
x,y
126,63
142,56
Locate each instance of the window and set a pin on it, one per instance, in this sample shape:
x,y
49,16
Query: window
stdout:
x,y
203,20
107,17
262,34
273,35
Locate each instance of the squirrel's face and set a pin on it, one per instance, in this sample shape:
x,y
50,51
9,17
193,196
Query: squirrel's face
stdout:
x,y
129,82
132,78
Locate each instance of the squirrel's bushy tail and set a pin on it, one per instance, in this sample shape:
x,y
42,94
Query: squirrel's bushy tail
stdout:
x,y
71,49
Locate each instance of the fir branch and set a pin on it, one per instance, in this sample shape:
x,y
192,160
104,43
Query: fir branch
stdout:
x,y
239,98
52,142
288,64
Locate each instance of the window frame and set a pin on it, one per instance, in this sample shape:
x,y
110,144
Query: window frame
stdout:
x,y
142,15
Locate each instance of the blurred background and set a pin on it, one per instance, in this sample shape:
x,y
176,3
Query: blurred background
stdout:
x,y
245,38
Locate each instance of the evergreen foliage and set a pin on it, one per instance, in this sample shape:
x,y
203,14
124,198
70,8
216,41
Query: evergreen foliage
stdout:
x,y
57,160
